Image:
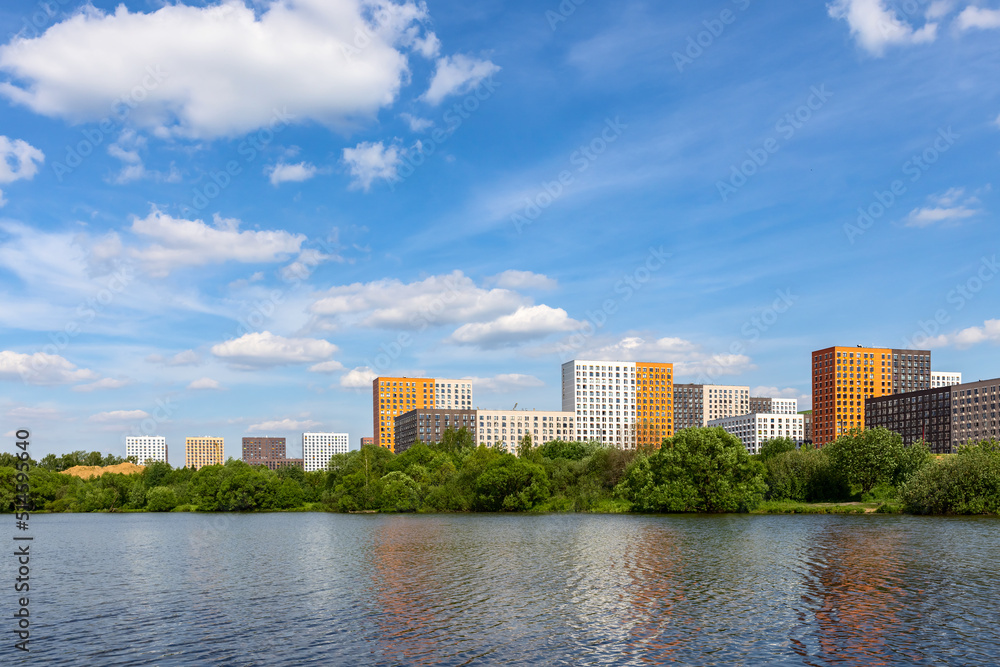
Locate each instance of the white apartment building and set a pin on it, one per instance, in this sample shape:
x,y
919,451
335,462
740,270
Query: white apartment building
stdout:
x,y
620,403
945,379
697,404
784,406
505,428
756,428
452,394
146,448
317,448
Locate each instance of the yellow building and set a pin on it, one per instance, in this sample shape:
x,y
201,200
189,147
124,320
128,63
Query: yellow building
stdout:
x,y
203,451
393,396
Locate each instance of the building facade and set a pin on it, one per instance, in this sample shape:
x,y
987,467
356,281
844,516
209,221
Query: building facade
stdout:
x,y
974,412
394,396
255,449
146,448
756,428
697,404
429,426
367,440
505,428
945,379
317,448
203,451
624,404
919,415
843,378
781,406
807,426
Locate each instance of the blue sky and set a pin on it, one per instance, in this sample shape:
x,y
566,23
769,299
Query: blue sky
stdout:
x,y
224,219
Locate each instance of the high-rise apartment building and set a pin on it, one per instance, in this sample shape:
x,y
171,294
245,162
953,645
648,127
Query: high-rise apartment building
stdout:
x,y
505,428
317,448
393,396
430,425
945,379
844,377
256,448
203,451
919,415
782,406
146,448
697,404
974,412
756,428
807,426
626,404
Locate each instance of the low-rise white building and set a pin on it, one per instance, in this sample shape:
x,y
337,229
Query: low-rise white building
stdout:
x,y
757,428
146,448
945,379
317,448
505,428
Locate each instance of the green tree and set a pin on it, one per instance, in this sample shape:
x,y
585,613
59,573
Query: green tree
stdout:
x,y
161,499
776,446
697,470
965,483
875,456
400,493
509,484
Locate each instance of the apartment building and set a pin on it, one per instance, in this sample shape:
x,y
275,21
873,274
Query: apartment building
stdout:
x,y
505,428
945,379
268,452
974,412
807,423
624,404
756,428
394,396
367,440
697,404
146,448
918,415
781,406
317,448
843,378
202,451
430,425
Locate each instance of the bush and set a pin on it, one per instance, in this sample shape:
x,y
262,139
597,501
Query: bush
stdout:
x,y
966,483
160,499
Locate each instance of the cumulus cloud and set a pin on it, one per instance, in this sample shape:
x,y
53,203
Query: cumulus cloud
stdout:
x,y
369,162
265,349
689,359
41,369
505,382
327,367
455,75
25,412
119,416
205,383
978,17
526,323
283,425
416,123
436,300
513,279
358,378
293,59
18,160
106,383
305,264
295,173
951,206
989,332
876,26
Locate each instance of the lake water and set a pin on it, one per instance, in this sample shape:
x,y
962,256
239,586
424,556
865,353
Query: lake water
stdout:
x,y
329,589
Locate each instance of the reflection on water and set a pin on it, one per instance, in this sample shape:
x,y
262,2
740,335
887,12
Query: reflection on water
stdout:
x,y
293,589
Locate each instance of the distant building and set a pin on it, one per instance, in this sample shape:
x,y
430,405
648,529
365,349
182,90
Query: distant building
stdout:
x,y
268,452
146,448
917,415
756,428
505,428
367,440
779,406
317,448
697,404
203,451
807,426
393,396
429,425
974,412
945,379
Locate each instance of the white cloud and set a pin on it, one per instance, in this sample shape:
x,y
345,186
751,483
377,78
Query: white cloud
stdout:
x,y
295,59
505,382
526,323
689,359
106,383
205,383
265,349
305,264
876,26
185,358
358,378
41,369
369,162
513,279
283,425
178,242
296,173
417,124
119,416
327,367
939,9
436,300
950,206
3,200
968,337
977,17
24,412
18,160
457,74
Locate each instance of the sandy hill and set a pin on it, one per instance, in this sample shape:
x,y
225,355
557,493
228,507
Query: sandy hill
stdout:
x,y
86,472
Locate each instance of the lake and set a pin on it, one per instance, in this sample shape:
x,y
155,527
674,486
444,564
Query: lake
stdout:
x,y
331,589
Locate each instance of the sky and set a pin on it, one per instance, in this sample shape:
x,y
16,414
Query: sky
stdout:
x,y
226,219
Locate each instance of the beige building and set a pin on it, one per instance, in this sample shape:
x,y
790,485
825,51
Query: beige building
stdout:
x,y
203,451
505,428
697,404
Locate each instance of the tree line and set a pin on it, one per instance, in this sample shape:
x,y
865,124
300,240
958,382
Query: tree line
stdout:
x,y
697,470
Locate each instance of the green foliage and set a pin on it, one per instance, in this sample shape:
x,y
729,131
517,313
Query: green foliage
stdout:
x,y
805,475
509,484
560,449
876,456
964,483
697,470
776,446
161,499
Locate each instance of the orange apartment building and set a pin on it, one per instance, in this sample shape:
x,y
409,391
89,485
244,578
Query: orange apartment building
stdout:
x,y
394,396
